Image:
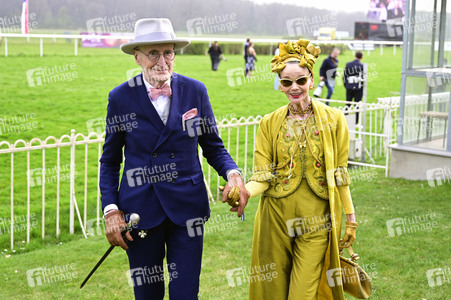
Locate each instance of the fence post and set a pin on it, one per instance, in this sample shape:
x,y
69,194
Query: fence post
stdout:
x,y
365,75
76,46
41,47
72,181
6,46
12,200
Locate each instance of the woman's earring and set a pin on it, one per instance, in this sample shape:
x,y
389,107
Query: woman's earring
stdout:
x,y
280,88
312,86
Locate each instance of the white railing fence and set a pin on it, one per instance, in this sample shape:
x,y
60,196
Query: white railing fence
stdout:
x,y
351,44
62,210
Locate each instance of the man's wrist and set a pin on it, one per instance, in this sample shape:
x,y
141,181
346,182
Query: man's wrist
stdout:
x,y
233,171
109,208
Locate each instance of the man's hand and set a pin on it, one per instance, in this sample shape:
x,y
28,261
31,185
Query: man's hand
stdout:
x,y
236,180
321,78
350,236
114,221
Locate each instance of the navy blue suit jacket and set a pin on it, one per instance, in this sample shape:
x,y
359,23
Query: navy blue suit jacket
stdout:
x,y
353,68
154,151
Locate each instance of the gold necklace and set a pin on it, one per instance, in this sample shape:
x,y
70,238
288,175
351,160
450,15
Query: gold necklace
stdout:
x,y
303,124
301,112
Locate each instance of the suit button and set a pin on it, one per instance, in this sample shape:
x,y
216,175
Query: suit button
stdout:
x,y
172,155
173,180
154,154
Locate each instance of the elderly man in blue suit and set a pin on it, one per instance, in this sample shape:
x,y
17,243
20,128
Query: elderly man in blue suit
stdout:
x,y
156,121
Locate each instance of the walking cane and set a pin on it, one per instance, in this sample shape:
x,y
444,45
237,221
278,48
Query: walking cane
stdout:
x,y
134,219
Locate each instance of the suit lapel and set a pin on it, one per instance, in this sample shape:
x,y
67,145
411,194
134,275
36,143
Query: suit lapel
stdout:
x,y
144,102
174,110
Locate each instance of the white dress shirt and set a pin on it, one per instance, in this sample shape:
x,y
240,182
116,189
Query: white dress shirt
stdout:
x,y
162,103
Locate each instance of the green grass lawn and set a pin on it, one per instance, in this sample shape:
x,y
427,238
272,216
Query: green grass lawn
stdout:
x,y
398,264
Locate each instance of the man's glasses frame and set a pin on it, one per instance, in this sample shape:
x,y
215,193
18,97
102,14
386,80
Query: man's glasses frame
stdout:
x,y
154,55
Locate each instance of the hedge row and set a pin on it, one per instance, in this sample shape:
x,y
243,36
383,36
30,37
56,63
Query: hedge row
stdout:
x,y
200,48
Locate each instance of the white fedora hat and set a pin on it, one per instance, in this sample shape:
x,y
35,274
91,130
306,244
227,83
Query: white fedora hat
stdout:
x,y
154,31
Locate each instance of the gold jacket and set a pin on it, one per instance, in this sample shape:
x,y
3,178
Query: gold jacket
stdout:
x,y
333,132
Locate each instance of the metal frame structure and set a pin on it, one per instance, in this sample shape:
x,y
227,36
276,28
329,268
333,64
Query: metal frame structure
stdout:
x,y
435,71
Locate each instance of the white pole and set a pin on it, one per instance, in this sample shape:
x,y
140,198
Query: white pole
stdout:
x,y
28,197
42,47
6,46
72,182
76,46
12,199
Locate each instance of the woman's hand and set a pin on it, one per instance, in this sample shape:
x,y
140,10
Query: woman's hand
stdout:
x,y
350,232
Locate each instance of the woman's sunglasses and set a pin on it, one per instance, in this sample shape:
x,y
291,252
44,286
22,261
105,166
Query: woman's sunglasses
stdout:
x,y
299,81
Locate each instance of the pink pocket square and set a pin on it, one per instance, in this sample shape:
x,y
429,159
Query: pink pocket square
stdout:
x,y
188,115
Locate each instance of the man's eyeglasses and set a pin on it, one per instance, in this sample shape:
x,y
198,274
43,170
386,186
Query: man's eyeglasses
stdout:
x,y
299,81
154,55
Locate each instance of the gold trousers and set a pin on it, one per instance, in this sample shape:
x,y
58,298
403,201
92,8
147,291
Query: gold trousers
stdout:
x,y
291,236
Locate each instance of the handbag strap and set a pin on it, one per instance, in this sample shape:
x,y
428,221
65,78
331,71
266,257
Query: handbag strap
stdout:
x,y
354,256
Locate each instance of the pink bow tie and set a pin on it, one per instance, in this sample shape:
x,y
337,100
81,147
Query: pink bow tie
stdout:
x,y
165,90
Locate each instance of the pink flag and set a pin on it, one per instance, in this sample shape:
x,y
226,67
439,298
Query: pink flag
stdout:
x,y
24,17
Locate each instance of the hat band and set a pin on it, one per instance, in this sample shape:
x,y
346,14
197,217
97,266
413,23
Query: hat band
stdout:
x,y
154,37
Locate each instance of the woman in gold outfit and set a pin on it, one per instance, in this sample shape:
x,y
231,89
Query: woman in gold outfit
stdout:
x,y
301,156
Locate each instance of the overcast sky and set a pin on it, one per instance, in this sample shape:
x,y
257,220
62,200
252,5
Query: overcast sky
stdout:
x,y
336,5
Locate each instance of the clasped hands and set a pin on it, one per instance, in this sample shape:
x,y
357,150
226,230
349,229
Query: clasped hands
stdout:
x,y
236,180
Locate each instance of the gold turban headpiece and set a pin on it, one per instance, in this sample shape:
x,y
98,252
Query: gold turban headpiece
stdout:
x,y
302,51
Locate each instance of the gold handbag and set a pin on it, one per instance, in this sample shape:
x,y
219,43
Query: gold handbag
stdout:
x,y
356,281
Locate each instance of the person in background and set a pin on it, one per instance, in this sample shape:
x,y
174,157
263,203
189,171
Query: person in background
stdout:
x,y
353,80
246,45
251,59
328,72
215,55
